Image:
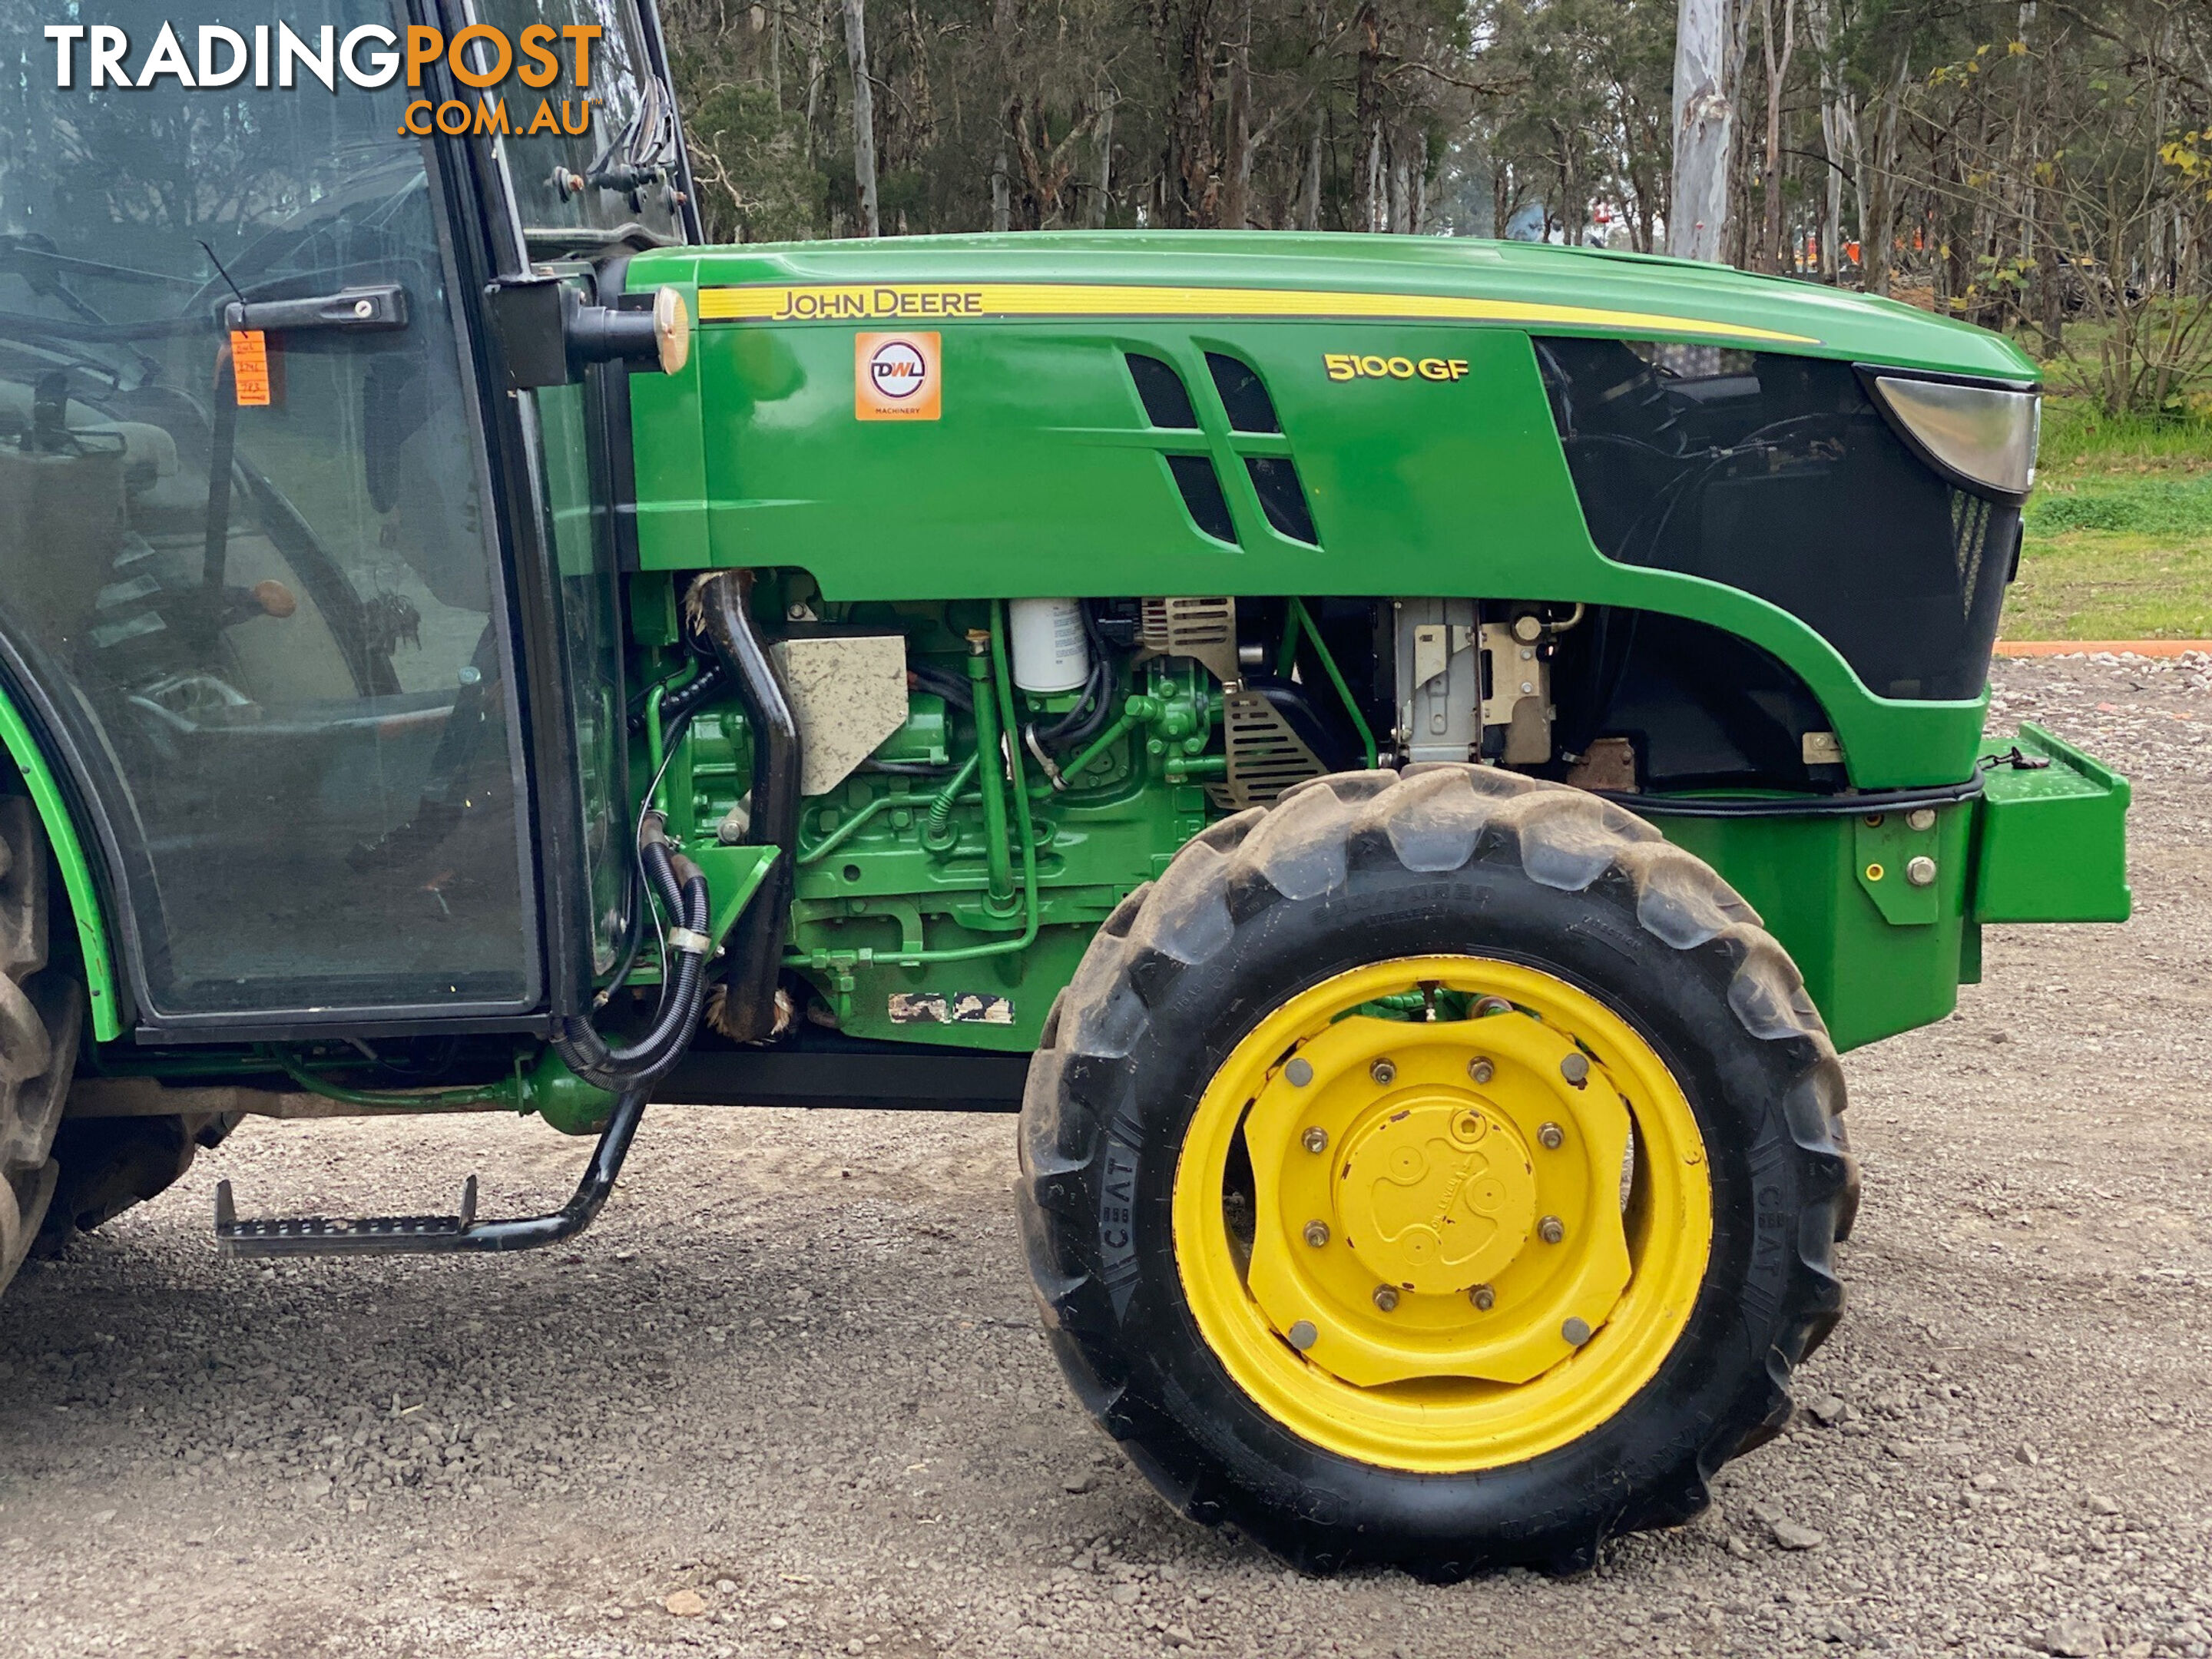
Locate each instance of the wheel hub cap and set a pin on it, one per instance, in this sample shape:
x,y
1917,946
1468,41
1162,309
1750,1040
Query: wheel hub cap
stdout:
x,y
1430,1185
1409,1223
1436,1195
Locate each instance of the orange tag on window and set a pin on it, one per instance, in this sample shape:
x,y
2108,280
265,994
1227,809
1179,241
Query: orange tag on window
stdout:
x,y
249,367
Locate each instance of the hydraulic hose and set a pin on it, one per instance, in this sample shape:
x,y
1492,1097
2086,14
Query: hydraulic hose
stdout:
x,y
683,891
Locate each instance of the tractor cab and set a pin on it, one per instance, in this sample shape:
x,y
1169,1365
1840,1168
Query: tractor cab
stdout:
x,y
278,551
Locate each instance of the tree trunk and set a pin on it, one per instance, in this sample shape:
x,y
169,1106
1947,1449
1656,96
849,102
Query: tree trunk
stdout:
x,y
1705,114
1878,184
1368,106
1835,117
1236,162
814,40
1103,194
1309,205
1773,256
1420,172
2050,299
864,116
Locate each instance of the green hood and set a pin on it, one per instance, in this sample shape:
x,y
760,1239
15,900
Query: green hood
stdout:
x,y
1545,289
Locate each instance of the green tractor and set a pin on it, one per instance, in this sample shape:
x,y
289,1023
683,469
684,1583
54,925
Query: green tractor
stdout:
x,y
1404,760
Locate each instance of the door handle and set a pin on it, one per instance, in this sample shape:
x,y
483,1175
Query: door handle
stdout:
x,y
374,307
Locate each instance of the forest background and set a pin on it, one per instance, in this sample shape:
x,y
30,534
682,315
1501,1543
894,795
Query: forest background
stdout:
x,y
2043,168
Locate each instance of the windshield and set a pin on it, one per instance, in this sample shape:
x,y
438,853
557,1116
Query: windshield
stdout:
x,y
623,170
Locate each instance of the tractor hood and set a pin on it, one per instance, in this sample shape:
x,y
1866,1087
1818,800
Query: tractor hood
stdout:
x,y
1548,289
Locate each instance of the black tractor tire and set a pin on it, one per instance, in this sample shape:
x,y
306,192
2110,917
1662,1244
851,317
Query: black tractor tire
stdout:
x,y
41,1011
1369,866
109,1164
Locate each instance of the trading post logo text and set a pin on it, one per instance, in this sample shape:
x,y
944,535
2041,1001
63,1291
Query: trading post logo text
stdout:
x,y
370,55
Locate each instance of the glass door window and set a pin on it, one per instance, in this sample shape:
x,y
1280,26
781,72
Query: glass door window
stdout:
x,y
276,632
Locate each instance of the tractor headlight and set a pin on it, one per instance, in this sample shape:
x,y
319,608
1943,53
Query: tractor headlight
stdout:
x,y
1985,435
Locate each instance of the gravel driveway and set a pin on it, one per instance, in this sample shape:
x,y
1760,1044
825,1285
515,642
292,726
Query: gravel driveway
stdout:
x,y
789,1397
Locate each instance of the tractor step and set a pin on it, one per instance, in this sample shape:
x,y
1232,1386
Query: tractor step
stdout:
x,y
368,1235
429,1235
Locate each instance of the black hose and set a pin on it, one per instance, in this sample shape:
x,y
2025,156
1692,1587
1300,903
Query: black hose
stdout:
x,y
621,1071
940,683
633,941
756,955
1088,718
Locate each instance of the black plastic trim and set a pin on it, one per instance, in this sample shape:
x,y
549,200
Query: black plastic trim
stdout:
x,y
1243,394
1161,390
1200,485
1794,806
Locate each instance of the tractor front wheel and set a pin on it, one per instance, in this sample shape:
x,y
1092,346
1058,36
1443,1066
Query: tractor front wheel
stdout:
x,y
1437,1169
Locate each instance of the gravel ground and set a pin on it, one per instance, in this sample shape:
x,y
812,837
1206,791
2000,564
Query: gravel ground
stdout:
x,y
789,1397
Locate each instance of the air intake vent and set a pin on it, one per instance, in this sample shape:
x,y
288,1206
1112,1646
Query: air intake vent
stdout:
x,y
1201,493
1166,399
1282,498
1250,409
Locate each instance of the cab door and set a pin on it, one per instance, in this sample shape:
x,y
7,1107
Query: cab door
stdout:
x,y
250,583
577,203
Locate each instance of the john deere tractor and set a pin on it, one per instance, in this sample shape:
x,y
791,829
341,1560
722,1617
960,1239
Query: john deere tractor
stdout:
x,y
1405,760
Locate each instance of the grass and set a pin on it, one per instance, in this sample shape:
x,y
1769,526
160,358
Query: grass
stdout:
x,y
2120,531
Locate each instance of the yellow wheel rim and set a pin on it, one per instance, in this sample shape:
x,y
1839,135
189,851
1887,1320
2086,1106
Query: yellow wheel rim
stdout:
x,y
1442,1213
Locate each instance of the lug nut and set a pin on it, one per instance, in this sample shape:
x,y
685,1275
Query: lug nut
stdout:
x,y
1484,1298
1303,1335
1300,1072
1575,1067
1550,1230
1921,871
1315,1139
1316,1233
1576,1333
1485,1007
1382,1072
1552,1136
1386,1297
1482,1069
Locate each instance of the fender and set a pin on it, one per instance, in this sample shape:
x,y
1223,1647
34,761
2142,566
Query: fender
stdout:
x,y
46,792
